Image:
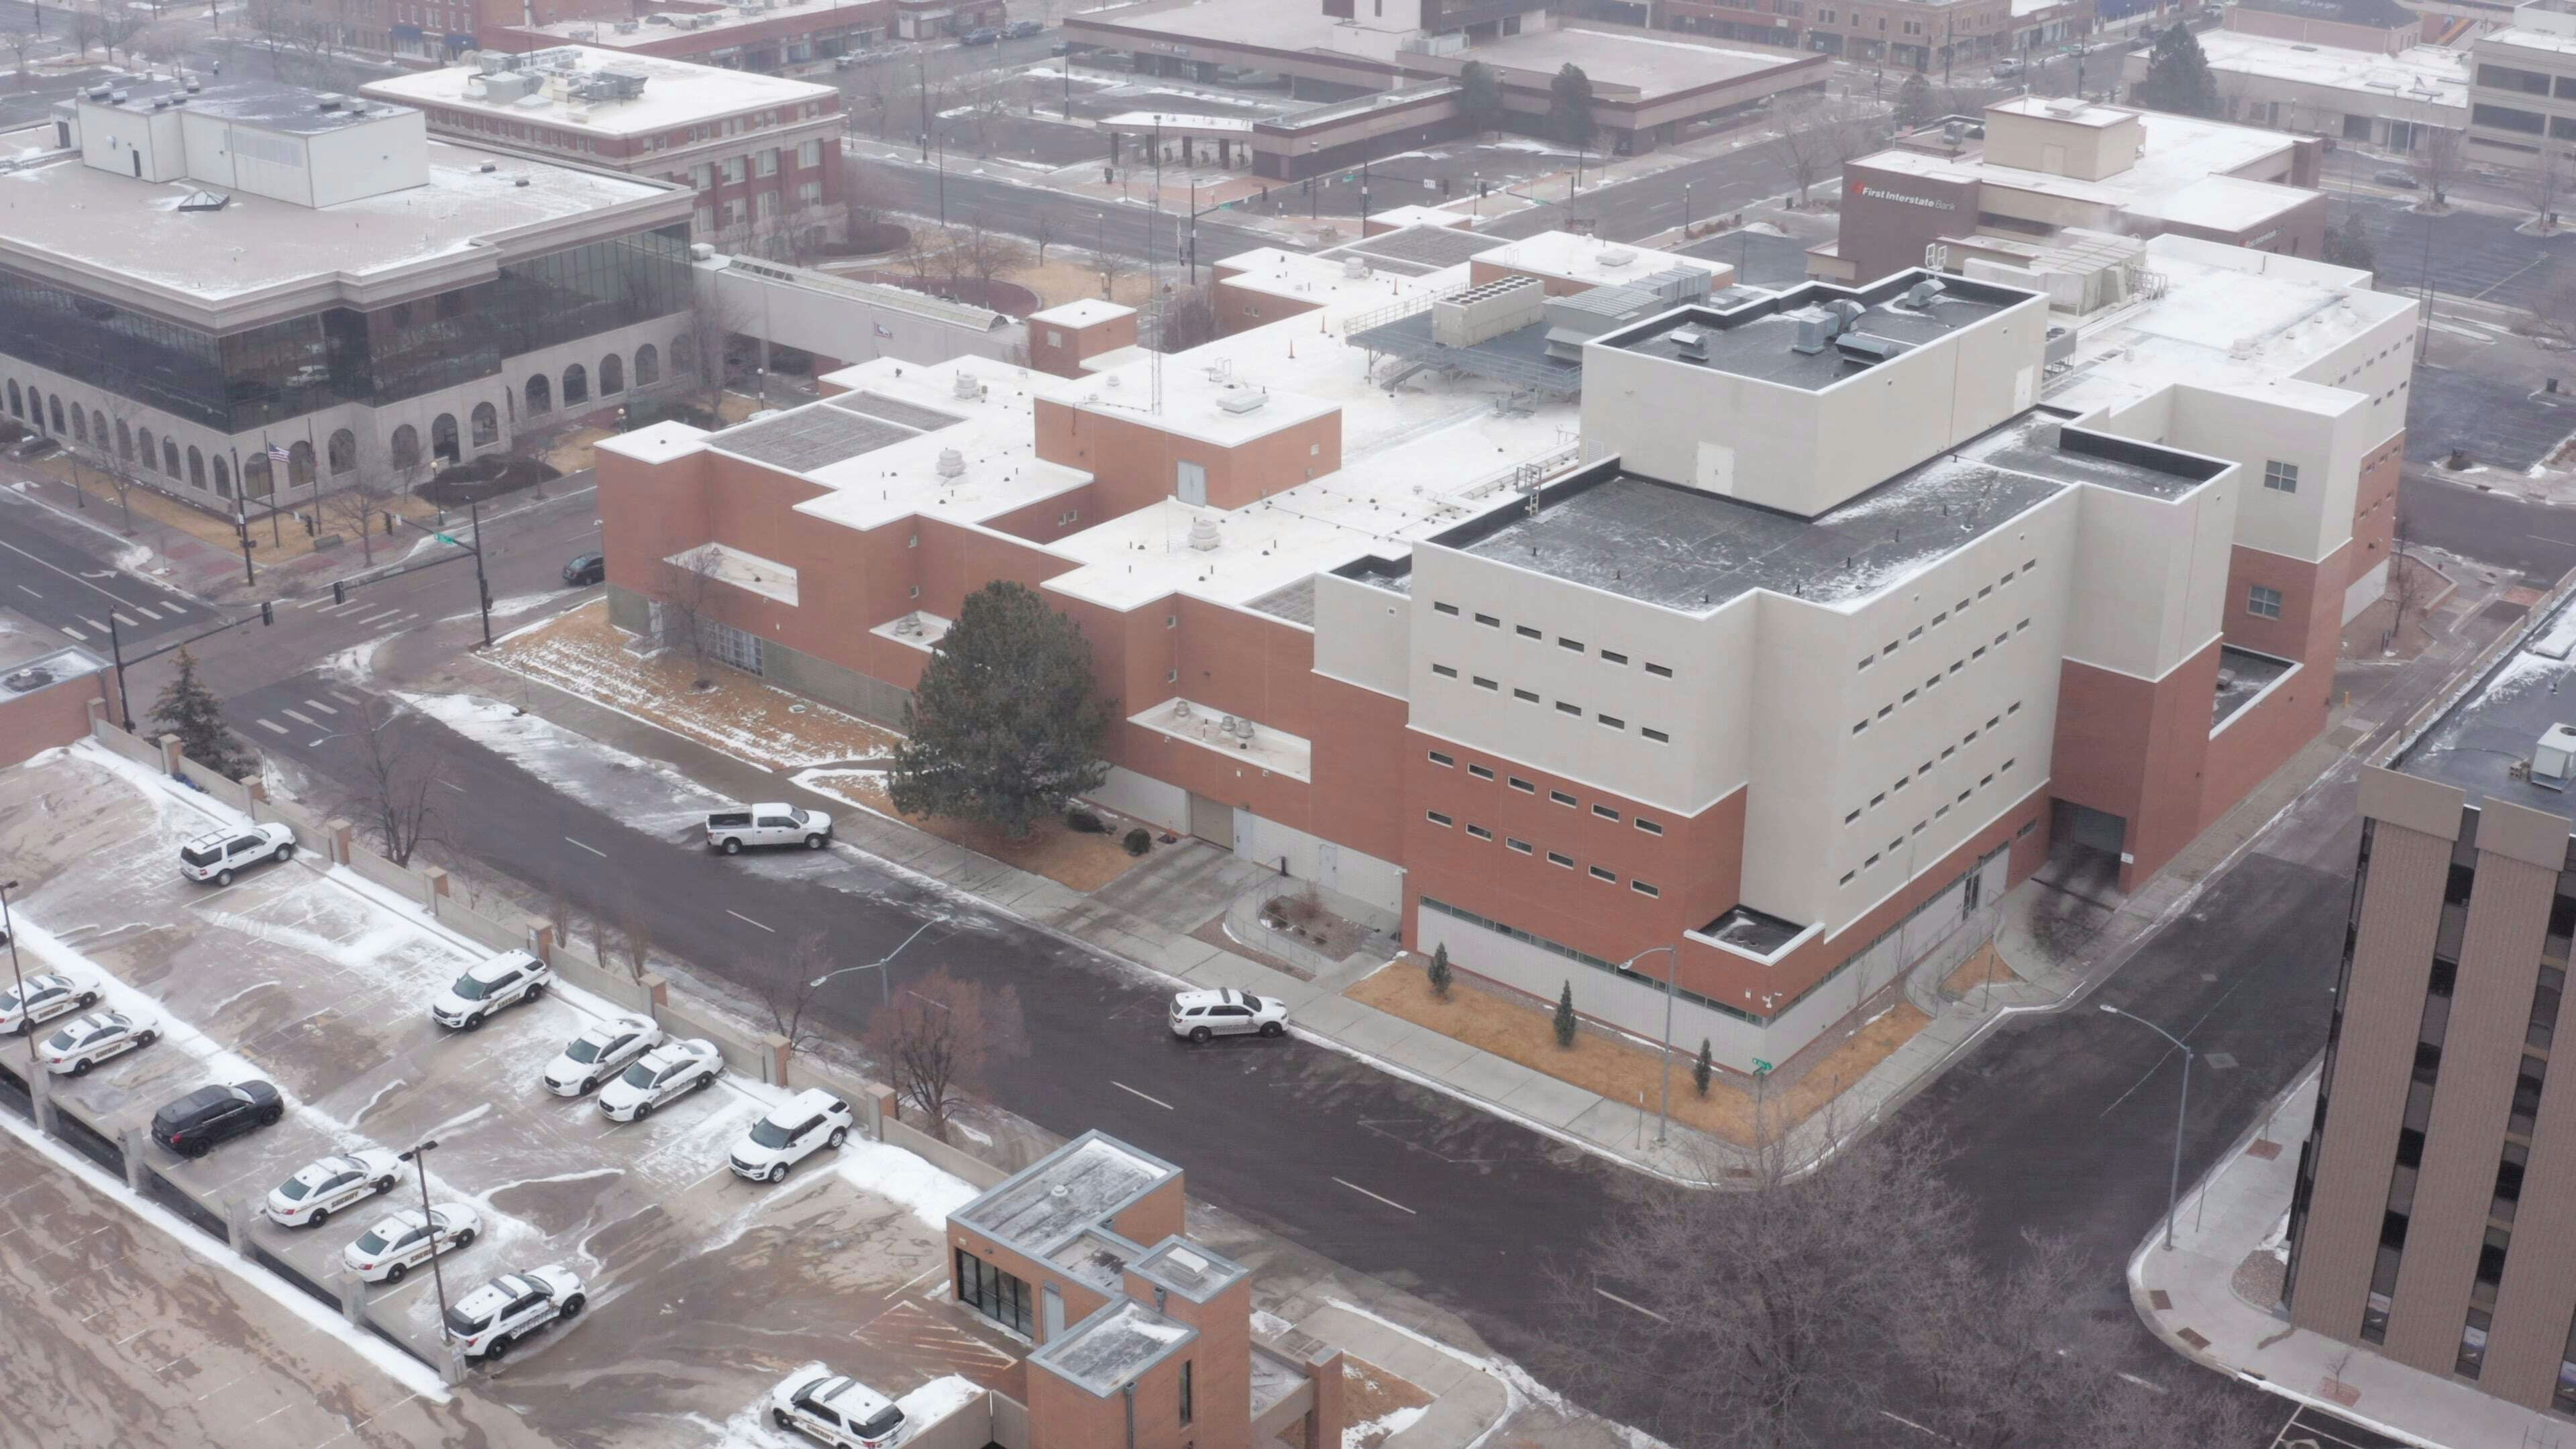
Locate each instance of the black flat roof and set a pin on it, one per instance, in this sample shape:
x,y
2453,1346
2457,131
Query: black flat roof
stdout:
x,y
1753,336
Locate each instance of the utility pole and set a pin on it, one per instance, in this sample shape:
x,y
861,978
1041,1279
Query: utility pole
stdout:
x,y
418,1157
10,930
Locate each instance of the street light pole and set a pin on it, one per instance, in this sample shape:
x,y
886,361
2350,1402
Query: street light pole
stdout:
x,y
885,978
2173,1185
1672,968
1686,212
10,929
418,1158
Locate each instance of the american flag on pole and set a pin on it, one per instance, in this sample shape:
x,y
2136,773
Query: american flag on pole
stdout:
x,y
278,452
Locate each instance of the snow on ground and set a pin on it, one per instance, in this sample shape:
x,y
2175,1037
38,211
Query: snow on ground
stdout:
x,y
401,1367
751,1427
1382,1428
892,1173
644,793
1519,1387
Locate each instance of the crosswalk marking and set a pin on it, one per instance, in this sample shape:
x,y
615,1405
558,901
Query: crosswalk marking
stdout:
x,y
147,613
378,618
305,720
128,620
272,727
75,633
344,696
93,623
317,704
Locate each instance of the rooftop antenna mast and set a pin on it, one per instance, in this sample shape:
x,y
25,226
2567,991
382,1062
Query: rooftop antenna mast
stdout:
x,y
1153,272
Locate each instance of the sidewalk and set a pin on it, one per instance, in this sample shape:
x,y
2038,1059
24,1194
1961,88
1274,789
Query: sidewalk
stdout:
x,y
2215,1299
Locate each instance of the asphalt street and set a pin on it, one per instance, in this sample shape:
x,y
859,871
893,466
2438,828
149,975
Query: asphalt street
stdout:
x,y
2495,528
1117,228
63,583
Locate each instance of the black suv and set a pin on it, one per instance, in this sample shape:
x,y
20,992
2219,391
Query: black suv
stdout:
x,y
585,568
210,1116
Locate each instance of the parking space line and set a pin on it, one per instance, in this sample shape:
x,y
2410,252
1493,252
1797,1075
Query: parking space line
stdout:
x,y
319,705
272,727
748,921
30,593
1390,1202
129,1338
593,849
303,719
1132,1092
906,1284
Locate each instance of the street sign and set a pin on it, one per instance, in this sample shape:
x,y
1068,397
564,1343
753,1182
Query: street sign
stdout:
x,y
1761,1067
443,538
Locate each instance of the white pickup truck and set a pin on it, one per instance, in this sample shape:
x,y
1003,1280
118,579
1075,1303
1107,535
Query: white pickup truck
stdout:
x,y
731,830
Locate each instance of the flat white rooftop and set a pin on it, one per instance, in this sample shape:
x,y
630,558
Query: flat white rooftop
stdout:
x,y
80,221
2432,74
605,32
2179,152
2230,319
1596,262
1082,312
676,93
2523,37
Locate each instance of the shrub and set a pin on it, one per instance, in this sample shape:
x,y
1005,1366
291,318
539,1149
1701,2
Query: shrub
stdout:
x,y
1083,822
1441,975
1565,1017
1705,1068
1139,840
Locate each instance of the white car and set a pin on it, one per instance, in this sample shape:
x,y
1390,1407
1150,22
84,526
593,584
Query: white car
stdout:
x,y
830,1409
805,1124
1199,1015
506,980
731,830
319,1189
597,1054
400,1243
46,997
85,1042
491,1318
688,1064
217,854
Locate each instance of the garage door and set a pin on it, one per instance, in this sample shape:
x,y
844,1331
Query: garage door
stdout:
x,y
2097,829
1212,821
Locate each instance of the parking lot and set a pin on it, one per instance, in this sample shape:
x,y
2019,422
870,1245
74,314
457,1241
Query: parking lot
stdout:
x,y
703,1290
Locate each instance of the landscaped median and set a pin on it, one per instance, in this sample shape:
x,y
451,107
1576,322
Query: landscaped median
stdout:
x,y
1619,1068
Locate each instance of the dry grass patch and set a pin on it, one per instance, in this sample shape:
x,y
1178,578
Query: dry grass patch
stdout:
x,y
1986,968
1071,858
1618,1068
1376,1405
582,653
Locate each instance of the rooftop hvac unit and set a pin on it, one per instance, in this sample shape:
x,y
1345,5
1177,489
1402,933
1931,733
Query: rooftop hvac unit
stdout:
x,y
1616,256
952,464
1674,284
1864,349
1243,400
628,27
1923,293
1816,328
1355,266
1205,538
2553,760
1690,342
964,388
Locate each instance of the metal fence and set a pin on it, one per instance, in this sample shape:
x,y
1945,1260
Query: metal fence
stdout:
x,y
14,1094
380,1331
179,1200
294,1275
88,1141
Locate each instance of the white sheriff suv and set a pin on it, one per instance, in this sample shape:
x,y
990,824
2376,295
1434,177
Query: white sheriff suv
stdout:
x,y
684,1064
509,1308
801,1126
834,1410
218,854
600,1053
509,979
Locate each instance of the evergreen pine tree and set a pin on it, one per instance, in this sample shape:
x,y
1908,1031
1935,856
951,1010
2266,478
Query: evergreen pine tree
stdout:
x,y
188,709
1569,106
2178,77
1914,102
1703,1069
1006,724
1565,1017
2349,245
1480,96
1440,973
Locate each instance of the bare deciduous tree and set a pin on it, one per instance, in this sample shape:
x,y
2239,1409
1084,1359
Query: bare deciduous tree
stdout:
x,y
704,354
2436,161
787,984
1187,318
1045,230
117,29
938,1041
989,254
1783,1309
2545,187
635,939
19,43
397,787
559,913
686,593
1819,132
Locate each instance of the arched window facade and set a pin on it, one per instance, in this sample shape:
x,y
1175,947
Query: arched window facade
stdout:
x,y
648,365
612,375
17,400
223,478
299,464
343,452
442,439
487,425
80,425
54,406
124,441
98,428
150,459
406,448
256,479
576,385
170,462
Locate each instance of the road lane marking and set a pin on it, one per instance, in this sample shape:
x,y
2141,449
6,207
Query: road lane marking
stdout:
x,y
66,573
1390,1202
748,921
68,629
1166,1106
305,720
272,728
30,593
593,849
93,623
379,618
316,704
1624,1303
